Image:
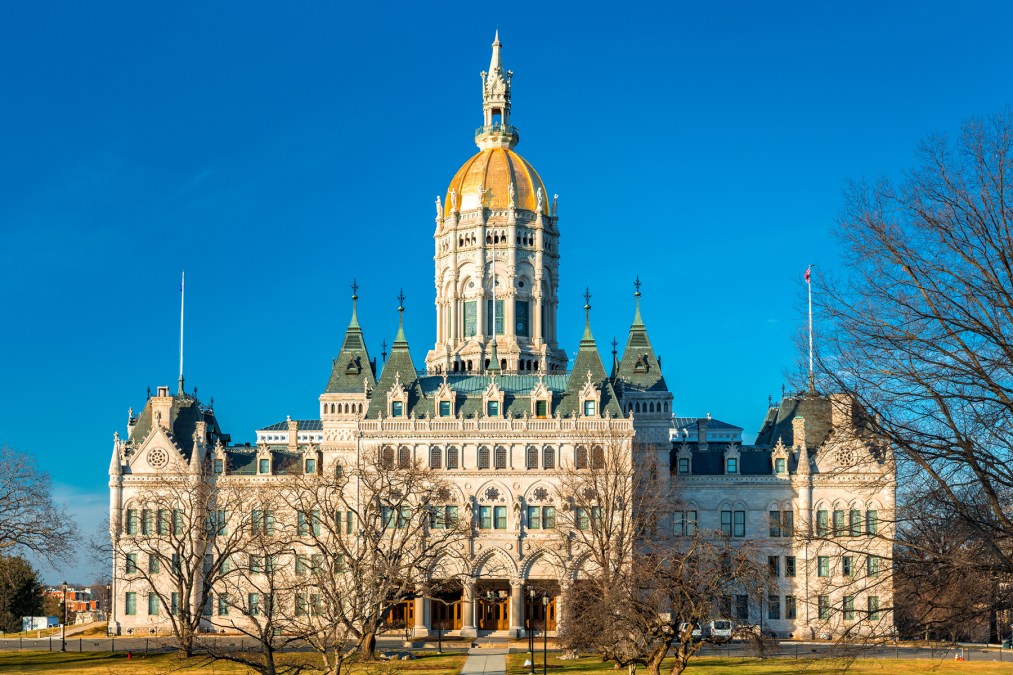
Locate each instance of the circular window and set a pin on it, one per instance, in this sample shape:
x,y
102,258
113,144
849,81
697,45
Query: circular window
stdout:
x,y
157,458
845,457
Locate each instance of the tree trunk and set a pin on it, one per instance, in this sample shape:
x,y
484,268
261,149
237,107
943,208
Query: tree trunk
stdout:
x,y
185,648
367,650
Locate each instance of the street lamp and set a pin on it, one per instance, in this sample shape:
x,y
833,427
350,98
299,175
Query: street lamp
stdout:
x,y
531,634
545,636
63,627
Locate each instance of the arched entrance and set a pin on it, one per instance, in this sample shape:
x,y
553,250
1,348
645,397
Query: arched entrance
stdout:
x,y
493,606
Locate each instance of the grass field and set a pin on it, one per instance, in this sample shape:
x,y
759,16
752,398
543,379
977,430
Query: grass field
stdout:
x,y
712,665
104,663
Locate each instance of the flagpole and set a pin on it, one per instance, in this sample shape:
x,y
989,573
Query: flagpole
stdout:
x,y
809,288
182,297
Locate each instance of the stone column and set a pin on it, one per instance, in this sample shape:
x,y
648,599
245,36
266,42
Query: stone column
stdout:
x,y
468,610
561,599
516,608
421,617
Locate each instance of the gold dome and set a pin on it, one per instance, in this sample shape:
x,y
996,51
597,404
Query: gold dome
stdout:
x,y
495,169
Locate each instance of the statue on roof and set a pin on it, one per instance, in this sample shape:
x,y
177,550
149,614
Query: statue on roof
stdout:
x,y
555,205
540,197
439,208
513,195
453,199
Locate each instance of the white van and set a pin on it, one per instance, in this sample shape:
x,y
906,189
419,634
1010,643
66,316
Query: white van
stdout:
x,y
719,628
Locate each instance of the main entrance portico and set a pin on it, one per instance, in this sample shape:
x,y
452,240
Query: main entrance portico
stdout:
x,y
489,607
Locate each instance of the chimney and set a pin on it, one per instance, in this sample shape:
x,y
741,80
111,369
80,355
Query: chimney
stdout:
x,y
842,411
293,434
798,432
161,409
701,432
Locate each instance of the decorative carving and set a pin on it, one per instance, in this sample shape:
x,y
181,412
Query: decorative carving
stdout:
x,y
157,458
492,494
845,457
540,494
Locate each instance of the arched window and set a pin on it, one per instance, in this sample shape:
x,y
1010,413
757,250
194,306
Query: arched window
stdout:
x,y
483,457
597,457
580,458
532,457
501,458
404,458
548,458
435,457
387,458
452,458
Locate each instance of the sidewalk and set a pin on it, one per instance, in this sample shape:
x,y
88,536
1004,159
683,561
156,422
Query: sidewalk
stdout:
x,y
485,661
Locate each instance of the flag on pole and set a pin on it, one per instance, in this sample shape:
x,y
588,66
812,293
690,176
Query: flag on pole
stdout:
x,y
808,270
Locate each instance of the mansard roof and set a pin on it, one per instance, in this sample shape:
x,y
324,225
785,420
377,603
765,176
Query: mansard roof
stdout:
x,y
711,462
187,411
815,409
304,425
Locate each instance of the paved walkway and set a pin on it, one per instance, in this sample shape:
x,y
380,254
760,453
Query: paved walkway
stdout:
x,y
485,661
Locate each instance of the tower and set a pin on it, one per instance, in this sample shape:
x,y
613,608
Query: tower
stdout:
x,y
497,253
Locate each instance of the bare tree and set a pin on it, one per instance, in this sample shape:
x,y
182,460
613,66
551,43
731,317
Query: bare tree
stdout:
x,y
372,534
920,333
257,596
177,544
30,522
639,593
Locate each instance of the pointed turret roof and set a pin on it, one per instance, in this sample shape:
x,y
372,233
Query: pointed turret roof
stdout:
x,y
399,367
639,367
588,361
352,365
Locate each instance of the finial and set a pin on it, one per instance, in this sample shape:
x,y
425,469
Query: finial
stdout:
x,y
355,302
637,320
355,290
400,318
400,301
149,391
195,393
383,351
211,403
614,345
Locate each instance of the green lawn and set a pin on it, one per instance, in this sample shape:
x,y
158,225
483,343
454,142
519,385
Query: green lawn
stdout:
x,y
714,665
105,663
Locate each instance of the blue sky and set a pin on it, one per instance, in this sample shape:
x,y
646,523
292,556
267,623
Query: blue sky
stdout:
x,y
276,151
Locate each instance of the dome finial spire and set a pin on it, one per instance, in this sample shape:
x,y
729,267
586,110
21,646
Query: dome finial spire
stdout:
x,y
496,131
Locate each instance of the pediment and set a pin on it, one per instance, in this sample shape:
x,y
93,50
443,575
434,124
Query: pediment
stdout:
x,y
157,454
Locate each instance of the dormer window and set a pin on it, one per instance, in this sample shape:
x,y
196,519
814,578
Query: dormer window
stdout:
x,y
541,408
445,409
397,409
684,465
265,466
589,408
780,465
311,466
219,466
492,409
732,465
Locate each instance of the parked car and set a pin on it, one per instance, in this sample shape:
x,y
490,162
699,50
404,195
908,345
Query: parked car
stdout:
x,y
697,633
718,628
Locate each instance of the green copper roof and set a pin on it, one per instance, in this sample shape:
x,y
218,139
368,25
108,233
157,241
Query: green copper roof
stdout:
x,y
352,368
639,367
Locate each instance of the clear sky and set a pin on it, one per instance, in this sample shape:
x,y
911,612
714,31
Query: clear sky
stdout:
x,y
277,150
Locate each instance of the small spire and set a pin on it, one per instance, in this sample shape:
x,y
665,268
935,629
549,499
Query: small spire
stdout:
x,y
355,301
496,63
587,314
637,319
400,317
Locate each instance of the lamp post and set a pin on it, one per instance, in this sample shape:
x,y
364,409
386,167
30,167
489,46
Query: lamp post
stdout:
x,y
531,634
63,627
545,636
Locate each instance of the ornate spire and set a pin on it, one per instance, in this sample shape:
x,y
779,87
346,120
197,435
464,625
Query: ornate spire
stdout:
x,y
587,314
496,131
637,319
355,299
400,318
